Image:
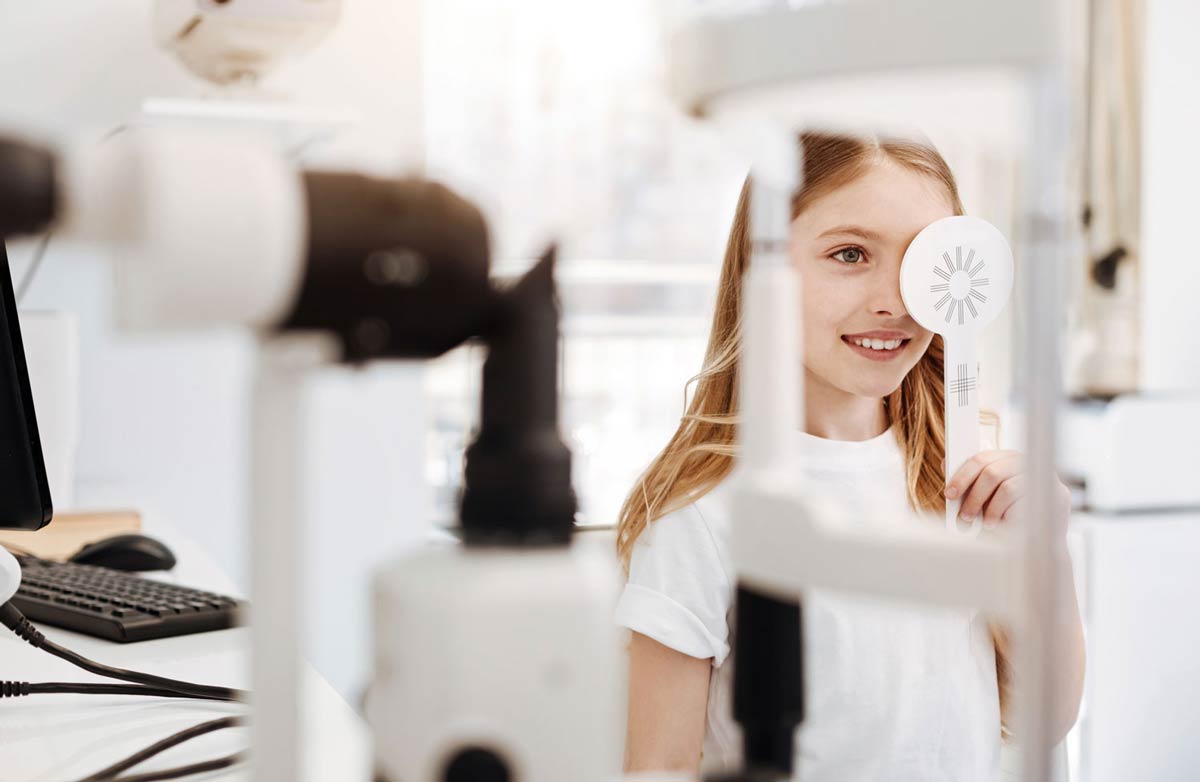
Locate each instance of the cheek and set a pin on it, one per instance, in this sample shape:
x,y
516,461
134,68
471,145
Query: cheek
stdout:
x,y
922,347
822,312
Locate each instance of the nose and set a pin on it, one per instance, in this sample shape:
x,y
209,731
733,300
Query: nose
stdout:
x,y
885,293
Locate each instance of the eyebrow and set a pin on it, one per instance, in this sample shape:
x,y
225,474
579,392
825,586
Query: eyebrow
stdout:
x,y
851,230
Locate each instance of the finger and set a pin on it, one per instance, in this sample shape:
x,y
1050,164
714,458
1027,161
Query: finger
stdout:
x,y
970,470
1007,494
986,483
1018,509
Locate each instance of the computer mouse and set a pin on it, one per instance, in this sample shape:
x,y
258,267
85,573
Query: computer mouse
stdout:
x,y
126,552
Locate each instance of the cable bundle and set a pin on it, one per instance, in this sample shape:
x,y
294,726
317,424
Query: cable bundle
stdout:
x,y
143,684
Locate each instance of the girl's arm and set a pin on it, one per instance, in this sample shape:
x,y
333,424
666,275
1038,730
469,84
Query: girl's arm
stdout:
x,y
668,702
1072,658
993,484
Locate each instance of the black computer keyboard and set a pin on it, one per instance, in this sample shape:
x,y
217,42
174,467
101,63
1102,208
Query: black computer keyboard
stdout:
x,y
119,606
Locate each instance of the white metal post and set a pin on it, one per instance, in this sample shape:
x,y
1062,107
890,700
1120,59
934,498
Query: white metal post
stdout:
x,y
1044,556
772,389
278,523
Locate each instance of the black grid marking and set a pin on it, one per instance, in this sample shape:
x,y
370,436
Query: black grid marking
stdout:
x,y
939,271
978,295
949,263
963,386
945,286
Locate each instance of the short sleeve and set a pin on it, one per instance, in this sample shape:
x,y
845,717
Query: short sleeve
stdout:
x,y
679,592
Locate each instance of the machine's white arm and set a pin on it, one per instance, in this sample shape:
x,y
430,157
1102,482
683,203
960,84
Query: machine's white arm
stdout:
x,y
789,541
189,249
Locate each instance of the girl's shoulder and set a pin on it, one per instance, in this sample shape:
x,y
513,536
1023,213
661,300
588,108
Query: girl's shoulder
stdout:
x,y
704,514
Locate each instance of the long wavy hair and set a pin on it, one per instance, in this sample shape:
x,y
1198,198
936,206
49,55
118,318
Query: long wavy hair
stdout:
x,y
701,452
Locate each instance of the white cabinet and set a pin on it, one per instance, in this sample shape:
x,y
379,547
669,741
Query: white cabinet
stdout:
x,y
1141,605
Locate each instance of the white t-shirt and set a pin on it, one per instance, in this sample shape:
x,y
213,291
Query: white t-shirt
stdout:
x,y
893,691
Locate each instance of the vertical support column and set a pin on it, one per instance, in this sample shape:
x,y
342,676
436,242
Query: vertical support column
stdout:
x,y
278,524
1044,555
772,391
768,668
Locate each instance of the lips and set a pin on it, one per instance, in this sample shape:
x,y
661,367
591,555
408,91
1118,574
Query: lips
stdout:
x,y
881,334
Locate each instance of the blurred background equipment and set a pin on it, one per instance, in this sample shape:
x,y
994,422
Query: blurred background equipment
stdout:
x,y
347,268
226,42
354,102
1104,341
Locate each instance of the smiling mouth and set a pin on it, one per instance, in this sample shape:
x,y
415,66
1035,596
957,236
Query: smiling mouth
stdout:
x,y
878,354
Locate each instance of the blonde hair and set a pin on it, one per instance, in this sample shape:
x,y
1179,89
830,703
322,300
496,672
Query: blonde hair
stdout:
x,y
701,452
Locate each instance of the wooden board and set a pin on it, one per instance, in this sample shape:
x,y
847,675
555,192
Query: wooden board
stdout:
x,y
68,532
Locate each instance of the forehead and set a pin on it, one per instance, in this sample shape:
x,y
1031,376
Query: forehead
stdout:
x,y
889,199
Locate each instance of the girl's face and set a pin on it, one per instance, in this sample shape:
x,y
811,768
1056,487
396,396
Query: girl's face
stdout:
x,y
848,245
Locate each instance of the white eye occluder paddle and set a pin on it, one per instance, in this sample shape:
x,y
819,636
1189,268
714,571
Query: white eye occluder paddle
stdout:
x,y
955,279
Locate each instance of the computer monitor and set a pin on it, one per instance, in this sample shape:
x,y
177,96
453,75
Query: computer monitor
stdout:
x,y
24,489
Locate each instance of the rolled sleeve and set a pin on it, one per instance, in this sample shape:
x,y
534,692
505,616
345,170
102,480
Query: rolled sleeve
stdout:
x,y
657,616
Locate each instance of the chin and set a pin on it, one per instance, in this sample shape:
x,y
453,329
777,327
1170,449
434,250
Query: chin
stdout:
x,y
880,390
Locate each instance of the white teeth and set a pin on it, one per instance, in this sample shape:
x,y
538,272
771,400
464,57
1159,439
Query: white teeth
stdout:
x,y
878,344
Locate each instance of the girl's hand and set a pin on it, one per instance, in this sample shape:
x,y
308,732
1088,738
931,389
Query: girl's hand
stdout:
x,y
996,485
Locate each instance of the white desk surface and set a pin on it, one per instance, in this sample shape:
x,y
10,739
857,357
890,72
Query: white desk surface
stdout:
x,y
58,738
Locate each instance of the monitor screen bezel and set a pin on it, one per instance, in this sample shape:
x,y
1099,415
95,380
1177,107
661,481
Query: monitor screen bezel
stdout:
x,y
25,492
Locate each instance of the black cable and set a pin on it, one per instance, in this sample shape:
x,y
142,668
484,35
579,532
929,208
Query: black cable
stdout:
x,y
10,689
13,619
183,771
38,254
175,739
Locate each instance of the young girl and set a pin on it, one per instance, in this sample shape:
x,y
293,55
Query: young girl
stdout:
x,y
893,692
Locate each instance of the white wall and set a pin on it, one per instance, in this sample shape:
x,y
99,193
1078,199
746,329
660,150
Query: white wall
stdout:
x,y
1169,261
164,420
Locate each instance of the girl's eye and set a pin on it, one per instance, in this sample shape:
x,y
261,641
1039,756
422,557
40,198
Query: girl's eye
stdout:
x,y
850,255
